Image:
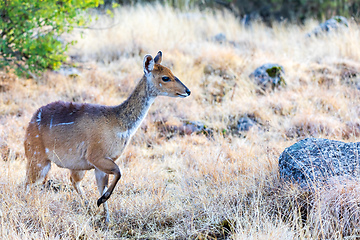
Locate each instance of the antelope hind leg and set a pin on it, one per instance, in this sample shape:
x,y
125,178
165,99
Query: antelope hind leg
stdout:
x,y
76,176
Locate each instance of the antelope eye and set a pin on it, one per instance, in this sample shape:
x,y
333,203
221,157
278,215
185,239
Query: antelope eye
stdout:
x,y
166,79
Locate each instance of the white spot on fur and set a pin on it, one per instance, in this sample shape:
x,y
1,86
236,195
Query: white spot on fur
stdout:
x,y
60,124
46,150
38,117
45,170
39,165
37,136
160,84
51,120
105,189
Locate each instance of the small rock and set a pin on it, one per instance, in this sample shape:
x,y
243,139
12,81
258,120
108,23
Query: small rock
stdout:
x,y
219,38
185,128
68,71
335,23
197,127
245,123
268,76
312,162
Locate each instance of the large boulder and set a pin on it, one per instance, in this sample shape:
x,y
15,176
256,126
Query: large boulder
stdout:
x,y
268,76
313,162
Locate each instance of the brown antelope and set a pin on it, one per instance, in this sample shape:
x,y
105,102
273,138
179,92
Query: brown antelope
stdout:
x,y
81,136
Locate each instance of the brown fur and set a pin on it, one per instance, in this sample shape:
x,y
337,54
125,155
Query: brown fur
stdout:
x,y
81,136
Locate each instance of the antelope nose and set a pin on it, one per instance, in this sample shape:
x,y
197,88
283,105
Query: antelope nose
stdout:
x,y
188,91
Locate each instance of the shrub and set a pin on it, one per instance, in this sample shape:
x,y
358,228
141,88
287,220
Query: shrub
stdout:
x,y
30,32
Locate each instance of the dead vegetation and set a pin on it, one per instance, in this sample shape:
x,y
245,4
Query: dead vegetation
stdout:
x,y
180,182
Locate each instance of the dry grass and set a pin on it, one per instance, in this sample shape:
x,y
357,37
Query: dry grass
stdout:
x,y
192,186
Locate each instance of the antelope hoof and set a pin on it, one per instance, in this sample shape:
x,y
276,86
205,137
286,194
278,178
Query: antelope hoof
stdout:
x,y
100,201
103,199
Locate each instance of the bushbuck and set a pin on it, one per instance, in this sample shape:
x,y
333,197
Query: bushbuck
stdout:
x,y
82,136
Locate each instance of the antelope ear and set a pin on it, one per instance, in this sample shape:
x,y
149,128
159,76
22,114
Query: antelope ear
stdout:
x,y
158,58
148,64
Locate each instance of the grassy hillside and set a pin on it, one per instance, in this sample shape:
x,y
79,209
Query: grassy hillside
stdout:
x,y
181,186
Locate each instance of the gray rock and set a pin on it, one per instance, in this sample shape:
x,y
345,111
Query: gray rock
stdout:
x,y
245,123
313,162
335,23
185,128
68,71
268,76
198,127
241,124
219,38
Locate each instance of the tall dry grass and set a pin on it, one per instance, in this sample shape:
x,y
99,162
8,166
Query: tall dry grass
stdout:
x,y
193,186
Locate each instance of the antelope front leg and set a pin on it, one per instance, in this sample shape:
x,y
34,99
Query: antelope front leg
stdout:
x,y
109,167
102,180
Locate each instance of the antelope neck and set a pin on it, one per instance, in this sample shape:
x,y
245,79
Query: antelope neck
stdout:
x,y
134,109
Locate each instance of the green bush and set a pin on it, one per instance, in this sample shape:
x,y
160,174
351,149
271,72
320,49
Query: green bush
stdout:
x,y
30,32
